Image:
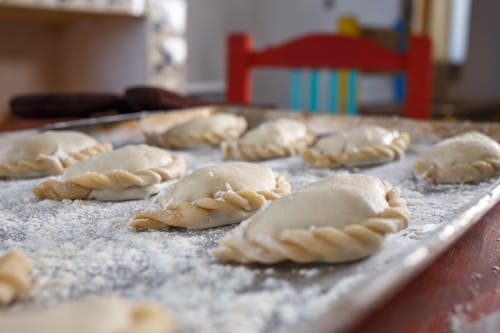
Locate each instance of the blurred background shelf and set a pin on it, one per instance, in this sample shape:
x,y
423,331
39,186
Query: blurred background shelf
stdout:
x,y
98,45
51,8
83,45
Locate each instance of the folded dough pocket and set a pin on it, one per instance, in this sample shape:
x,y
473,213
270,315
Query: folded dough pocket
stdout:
x,y
365,145
46,153
272,139
15,276
464,158
203,130
131,172
214,195
90,315
338,219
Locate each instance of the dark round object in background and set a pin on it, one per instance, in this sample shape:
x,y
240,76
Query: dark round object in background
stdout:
x,y
143,98
66,105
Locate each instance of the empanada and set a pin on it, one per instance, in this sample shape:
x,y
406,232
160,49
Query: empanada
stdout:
x,y
464,158
15,276
46,153
366,145
215,195
90,315
338,219
277,138
204,130
132,172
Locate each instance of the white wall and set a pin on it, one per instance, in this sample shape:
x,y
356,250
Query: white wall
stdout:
x,y
208,24
480,77
272,21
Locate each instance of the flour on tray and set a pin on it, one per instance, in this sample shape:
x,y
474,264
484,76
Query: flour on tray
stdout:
x,y
86,248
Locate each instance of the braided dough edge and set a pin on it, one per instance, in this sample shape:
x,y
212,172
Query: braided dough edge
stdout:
x,y
154,139
149,317
50,164
376,154
15,274
80,187
471,172
318,244
235,150
195,214
208,138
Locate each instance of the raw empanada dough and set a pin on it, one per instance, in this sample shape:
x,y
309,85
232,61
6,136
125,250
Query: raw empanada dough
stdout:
x,y
15,276
91,315
47,153
215,195
132,172
338,219
364,145
277,138
468,157
204,130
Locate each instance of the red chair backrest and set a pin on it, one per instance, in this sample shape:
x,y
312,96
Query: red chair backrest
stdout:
x,y
330,51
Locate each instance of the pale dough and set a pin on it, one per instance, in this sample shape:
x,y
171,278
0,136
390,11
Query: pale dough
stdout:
x,y
277,138
366,145
215,195
338,219
464,158
47,153
204,130
131,172
91,315
15,276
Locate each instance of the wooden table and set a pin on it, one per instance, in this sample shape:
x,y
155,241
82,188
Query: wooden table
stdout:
x,y
15,124
459,292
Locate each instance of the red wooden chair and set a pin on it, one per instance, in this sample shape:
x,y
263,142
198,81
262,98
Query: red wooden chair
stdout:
x,y
328,51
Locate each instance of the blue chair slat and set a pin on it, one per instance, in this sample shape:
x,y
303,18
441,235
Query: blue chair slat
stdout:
x,y
399,87
399,81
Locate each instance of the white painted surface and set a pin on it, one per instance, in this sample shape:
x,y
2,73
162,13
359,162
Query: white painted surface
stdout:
x,y
459,31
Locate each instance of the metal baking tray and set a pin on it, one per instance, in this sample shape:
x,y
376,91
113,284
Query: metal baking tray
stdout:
x,y
207,295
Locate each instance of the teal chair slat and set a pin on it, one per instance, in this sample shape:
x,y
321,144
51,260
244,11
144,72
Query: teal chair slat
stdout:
x,y
314,91
295,90
333,92
352,87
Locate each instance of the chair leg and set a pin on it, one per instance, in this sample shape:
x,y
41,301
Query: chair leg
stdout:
x,y
419,78
239,84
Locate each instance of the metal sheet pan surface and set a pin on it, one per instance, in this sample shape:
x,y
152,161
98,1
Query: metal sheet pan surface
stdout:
x,y
85,247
